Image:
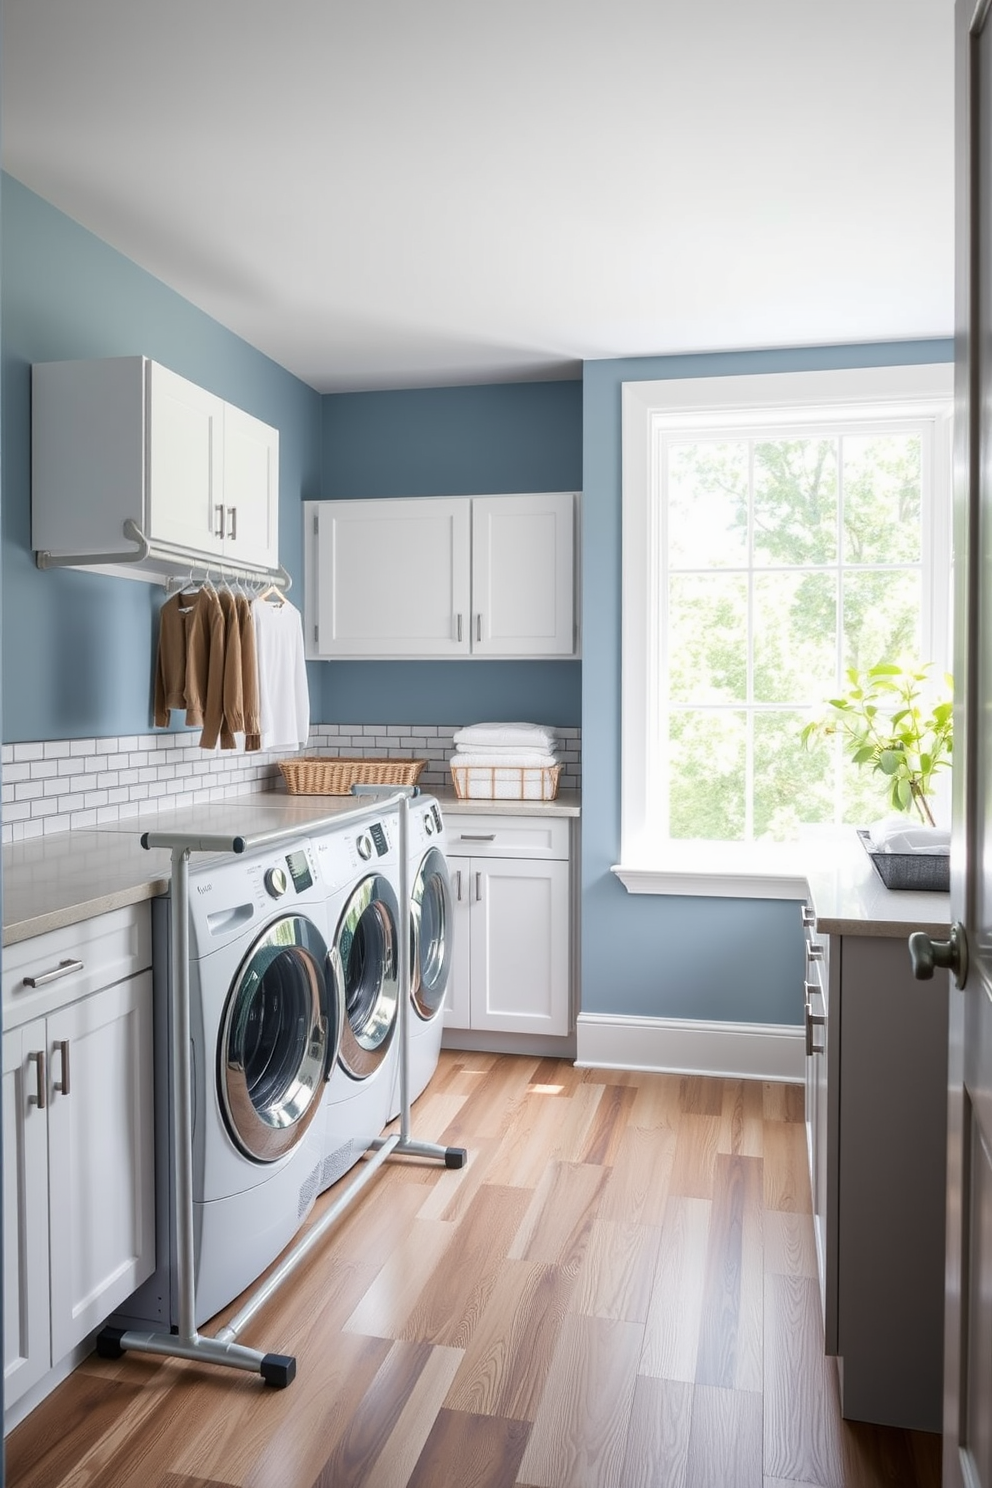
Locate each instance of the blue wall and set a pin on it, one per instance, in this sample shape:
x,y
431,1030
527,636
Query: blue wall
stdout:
x,y
462,441
722,959
77,647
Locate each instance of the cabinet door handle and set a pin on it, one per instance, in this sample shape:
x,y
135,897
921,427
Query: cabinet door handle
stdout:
x,y
477,837
478,888
64,968
478,626
812,1019
458,885
458,624
232,532
38,1055
220,521
63,1084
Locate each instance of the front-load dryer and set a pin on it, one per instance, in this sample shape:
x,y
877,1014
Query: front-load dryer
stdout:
x,y
430,944
265,1027
358,867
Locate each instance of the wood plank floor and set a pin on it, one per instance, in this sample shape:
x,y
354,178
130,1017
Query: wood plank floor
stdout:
x,y
618,1291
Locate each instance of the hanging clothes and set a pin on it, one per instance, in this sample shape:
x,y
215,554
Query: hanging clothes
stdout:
x,y
284,696
249,675
170,661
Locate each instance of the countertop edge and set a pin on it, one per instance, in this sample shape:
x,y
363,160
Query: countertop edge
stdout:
x,y
88,909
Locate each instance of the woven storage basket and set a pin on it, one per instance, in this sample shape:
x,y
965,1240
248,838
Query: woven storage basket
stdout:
x,y
506,782
313,776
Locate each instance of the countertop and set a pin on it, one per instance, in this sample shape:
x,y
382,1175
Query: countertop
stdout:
x,y
51,882
849,898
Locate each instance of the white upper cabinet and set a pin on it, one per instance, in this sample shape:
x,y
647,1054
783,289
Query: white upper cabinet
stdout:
x,y
124,438
457,576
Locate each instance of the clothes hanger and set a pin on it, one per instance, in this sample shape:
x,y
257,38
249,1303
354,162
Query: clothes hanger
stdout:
x,y
272,591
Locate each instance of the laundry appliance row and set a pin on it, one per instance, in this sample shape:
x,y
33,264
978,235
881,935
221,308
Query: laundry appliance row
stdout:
x,y
294,999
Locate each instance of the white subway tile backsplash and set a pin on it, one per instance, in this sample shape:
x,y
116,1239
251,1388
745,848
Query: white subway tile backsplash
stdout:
x,y
58,785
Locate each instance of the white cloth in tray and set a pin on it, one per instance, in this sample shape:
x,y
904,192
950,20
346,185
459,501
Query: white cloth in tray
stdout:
x,y
506,736
498,757
486,784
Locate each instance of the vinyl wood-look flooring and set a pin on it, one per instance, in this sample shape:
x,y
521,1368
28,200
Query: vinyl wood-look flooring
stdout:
x,y
618,1291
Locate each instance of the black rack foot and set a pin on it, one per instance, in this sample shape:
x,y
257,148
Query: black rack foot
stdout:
x,y
278,1370
108,1343
455,1157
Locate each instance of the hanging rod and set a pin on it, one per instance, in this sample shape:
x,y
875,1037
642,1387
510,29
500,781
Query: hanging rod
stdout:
x,y
182,560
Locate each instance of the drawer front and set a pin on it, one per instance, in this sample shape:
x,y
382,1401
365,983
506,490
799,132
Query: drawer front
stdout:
x,y
110,947
507,837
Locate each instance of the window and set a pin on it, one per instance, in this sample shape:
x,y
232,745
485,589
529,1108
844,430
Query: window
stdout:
x,y
776,530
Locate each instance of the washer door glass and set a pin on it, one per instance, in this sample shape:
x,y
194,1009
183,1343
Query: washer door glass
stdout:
x,y
276,1040
431,925
366,949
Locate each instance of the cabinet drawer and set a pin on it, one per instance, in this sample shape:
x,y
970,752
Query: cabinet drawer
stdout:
x,y
110,946
502,837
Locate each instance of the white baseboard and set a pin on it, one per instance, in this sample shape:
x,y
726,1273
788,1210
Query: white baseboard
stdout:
x,y
748,1051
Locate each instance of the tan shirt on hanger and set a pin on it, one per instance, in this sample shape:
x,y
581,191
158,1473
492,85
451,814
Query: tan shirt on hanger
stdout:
x,y
249,674
205,667
170,661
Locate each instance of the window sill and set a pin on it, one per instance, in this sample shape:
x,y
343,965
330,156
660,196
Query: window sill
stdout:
x,y
723,870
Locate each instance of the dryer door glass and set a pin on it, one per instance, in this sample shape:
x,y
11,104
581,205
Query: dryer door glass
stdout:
x,y
366,948
431,924
276,1040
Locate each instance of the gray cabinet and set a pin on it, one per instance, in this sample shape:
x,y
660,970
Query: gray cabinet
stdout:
x,y
876,1122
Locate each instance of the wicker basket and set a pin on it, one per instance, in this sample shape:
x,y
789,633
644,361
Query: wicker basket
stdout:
x,y
506,782
313,776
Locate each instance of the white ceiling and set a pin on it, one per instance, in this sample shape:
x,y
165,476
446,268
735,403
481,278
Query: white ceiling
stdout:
x,y
397,193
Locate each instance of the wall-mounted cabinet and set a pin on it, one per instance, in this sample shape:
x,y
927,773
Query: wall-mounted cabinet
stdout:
x,y
123,438
434,577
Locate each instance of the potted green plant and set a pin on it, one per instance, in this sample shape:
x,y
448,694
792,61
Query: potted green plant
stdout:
x,y
893,723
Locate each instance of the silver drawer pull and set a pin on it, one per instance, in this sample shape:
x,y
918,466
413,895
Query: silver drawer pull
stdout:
x,y
477,837
478,627
38,1055
459,619
63,1084
812,1019
64,968
458,885
478,887
220,521
232,530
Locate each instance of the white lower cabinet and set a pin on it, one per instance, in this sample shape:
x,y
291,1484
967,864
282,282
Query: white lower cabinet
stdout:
x,y
79,1216
510,885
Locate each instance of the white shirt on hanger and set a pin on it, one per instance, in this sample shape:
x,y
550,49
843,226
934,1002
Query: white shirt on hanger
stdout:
x,y
283,694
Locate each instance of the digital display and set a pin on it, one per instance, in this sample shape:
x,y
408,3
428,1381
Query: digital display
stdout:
x,y
299,871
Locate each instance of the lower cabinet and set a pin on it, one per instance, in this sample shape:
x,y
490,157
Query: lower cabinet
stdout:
x,y
78,1147
511,888
876,1097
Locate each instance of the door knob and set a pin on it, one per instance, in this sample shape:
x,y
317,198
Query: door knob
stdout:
x,y
952,954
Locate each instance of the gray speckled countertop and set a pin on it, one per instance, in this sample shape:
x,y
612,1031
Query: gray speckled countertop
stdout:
x,y
50,882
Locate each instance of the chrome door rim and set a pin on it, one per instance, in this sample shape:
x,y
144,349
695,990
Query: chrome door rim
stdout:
x,y
270,1079
366,946
428,1004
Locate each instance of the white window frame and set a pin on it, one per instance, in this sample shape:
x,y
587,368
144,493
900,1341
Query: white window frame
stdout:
x,y
652,409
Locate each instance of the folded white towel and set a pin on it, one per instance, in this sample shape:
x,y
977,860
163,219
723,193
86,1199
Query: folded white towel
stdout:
x,y
507,735
496,758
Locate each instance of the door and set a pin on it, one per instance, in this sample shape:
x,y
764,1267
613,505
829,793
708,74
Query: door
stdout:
x,y
185,462
522,575
101,1156
519,945
392,577
26,1333
968,1318
251,490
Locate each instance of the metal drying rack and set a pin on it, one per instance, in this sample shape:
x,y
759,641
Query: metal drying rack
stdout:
x,y
278,1370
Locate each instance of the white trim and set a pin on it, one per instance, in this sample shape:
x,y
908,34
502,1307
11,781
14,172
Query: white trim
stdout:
x,y
707,884
924,392
743,1051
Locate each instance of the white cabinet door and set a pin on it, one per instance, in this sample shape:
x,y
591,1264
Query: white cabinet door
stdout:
x,y
523,575
392,578
510,970
27,1338
458,995
185,463
251,490
101,1156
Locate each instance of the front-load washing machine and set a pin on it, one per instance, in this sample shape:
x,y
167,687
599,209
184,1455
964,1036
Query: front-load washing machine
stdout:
x,y
430,944
358,867
265,1027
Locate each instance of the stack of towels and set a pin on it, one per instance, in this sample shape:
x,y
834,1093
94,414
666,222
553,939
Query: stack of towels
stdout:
x,y
506,761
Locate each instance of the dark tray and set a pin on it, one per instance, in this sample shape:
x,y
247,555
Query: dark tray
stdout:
x,y
928,871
